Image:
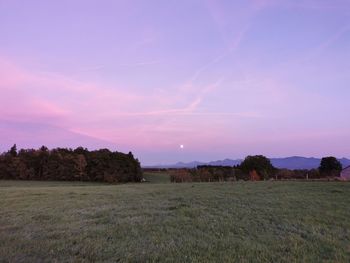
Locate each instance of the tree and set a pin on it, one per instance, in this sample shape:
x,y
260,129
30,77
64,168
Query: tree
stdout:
x,y
330,166
80,165
13,151
258,163
68,164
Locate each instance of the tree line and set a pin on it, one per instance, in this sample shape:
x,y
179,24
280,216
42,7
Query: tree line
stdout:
x,y
255,168
65,164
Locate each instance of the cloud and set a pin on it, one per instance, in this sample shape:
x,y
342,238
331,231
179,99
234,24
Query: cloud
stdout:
x,y
89,69
31,134
56,99
106,113
326,5
331,40
231,34
141,63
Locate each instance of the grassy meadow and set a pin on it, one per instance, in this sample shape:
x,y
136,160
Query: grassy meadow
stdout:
x,y
163,222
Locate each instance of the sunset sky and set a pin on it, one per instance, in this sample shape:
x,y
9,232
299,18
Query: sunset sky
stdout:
x,y
177,80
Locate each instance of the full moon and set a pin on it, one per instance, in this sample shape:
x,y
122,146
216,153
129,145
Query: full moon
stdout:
x,y
181,146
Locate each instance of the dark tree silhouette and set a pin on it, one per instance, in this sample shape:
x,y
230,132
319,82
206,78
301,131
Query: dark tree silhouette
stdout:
x,y
259,164
330,166
67,164
13,151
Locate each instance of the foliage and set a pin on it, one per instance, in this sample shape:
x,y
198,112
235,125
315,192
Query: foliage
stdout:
x,y
156,177
253,168
239,175
69,165
330,166
215,173
286,174
204,173
13,151
180,176
258,163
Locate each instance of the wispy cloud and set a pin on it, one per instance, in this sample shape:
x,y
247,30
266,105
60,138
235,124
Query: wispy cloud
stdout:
x,y
305,4
89,69
70,105
331,40
141,63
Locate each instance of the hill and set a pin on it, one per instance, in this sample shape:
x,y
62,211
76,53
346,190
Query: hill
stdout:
x,y
294,162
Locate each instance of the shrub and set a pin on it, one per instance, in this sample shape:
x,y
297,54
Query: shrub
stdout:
x,y
180,176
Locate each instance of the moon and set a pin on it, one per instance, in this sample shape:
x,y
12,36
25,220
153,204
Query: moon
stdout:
x,y
181,146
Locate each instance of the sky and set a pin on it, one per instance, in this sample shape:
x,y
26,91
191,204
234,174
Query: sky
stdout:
x,y
177,80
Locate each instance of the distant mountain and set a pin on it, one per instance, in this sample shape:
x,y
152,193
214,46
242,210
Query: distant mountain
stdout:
x,y
345,162
226,162
184,165
295,162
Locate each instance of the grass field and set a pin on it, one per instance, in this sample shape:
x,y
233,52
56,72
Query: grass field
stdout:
x,y
157,178
162,222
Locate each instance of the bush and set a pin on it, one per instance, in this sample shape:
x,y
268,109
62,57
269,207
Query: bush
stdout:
x,y
180,176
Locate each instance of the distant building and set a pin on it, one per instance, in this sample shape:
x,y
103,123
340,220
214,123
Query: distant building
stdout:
x,y
345,174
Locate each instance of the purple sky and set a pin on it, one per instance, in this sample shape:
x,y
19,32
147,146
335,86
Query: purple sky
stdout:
x,y
223,78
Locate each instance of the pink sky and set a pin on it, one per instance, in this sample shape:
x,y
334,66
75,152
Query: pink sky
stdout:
x,y
223,78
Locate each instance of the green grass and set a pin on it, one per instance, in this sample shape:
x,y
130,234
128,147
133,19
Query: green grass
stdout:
x,y
157,177
203,222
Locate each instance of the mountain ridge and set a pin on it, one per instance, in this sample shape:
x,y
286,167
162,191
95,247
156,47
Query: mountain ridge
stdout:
x,y
293,162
